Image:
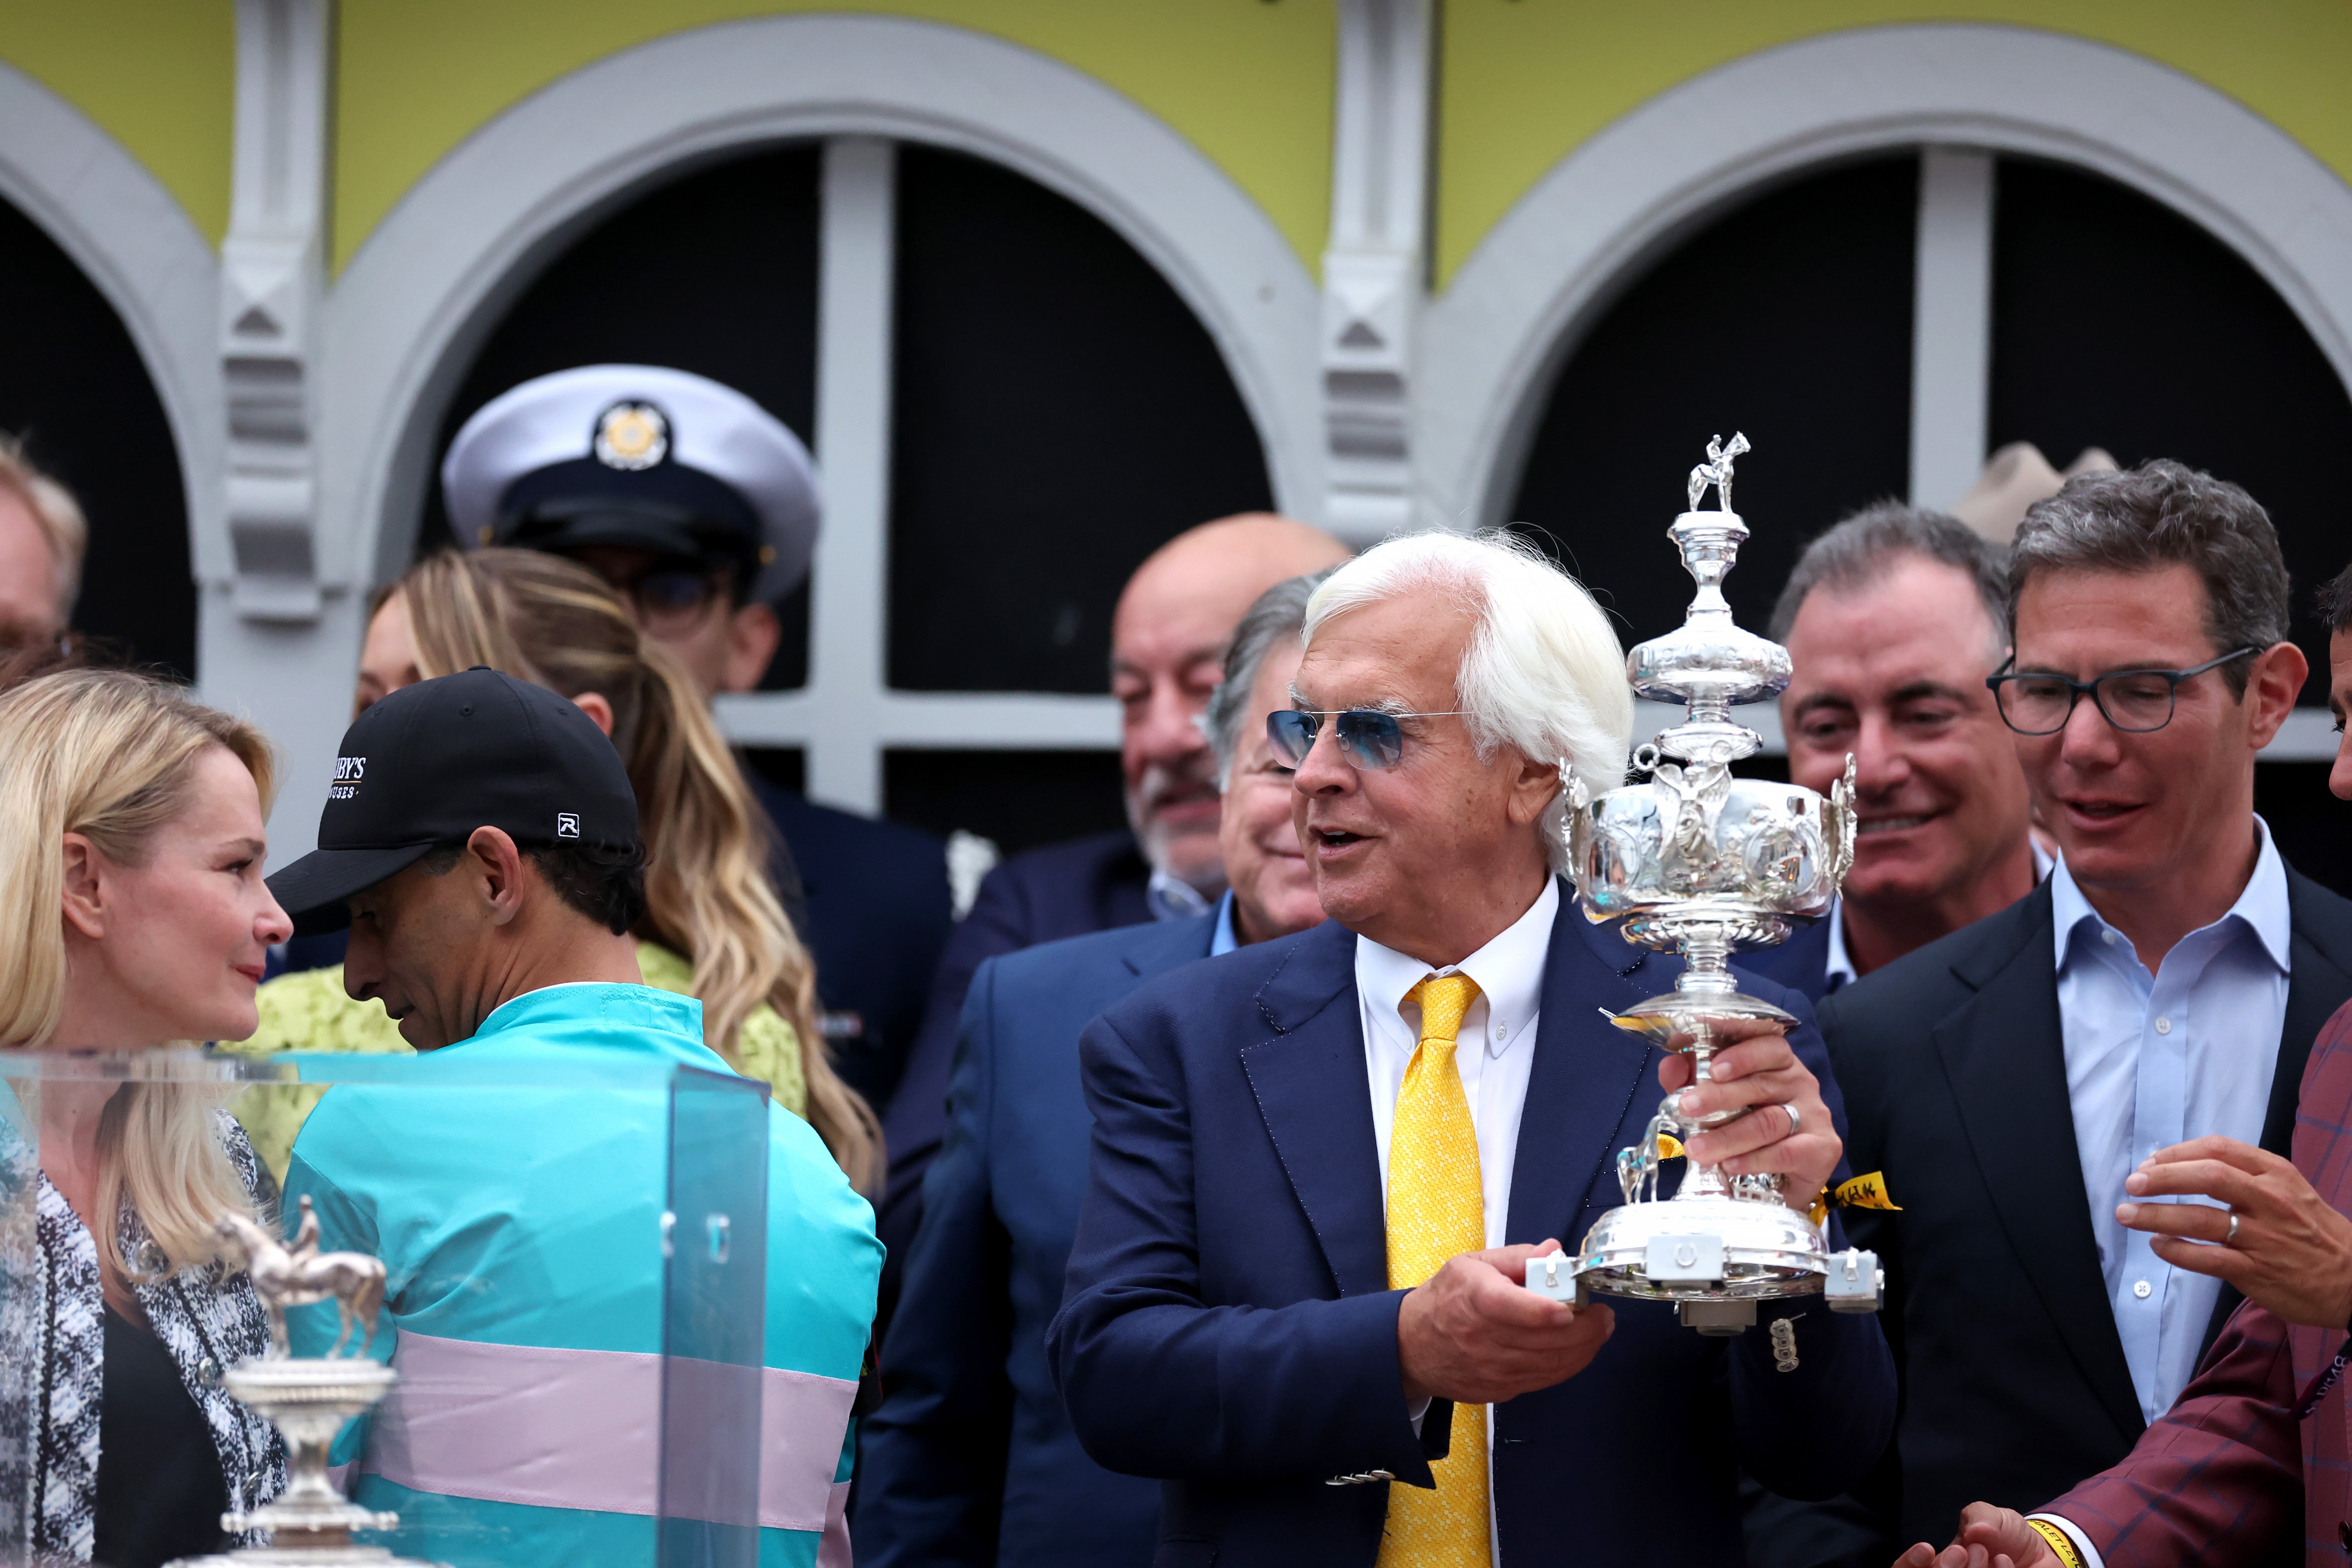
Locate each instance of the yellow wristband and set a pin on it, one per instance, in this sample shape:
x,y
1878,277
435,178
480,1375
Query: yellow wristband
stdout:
x,y
2060,1542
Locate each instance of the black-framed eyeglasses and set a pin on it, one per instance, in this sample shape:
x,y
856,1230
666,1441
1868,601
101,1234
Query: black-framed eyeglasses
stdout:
x,y
2033,702
1368,738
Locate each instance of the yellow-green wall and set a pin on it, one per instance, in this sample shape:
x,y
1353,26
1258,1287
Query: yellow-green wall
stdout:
x,y
1248,81
1525,82
159,76
1522,82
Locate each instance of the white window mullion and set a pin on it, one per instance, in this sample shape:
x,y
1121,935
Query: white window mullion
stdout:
x,y
1951,334
841,712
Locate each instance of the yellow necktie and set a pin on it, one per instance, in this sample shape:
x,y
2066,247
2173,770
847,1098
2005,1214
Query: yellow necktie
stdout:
x,y
1436,1211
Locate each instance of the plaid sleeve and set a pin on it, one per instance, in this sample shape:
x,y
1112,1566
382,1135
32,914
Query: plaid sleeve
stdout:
x,y
2220,1478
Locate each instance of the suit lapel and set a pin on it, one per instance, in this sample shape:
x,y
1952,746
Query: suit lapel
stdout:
x,y
1587,1075
1315,1097
2004,1055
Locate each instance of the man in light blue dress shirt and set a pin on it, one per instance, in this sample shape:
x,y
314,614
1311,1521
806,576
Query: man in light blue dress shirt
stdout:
x,y
2166,981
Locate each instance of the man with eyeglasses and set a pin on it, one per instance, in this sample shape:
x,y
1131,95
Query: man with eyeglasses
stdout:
x,y
701,508
1322,1163
2165,982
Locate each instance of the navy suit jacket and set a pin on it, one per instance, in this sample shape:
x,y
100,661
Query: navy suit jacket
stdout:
x,y
1228,1325
873,907
1062,890
970,1456
1801,964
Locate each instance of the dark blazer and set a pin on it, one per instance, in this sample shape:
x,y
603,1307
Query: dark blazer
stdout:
x,y
1801,964
873,907
1062,890
970,1456
1953,1063
1228,1325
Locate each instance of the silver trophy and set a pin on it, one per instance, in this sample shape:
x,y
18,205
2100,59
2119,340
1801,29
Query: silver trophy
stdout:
x,y
307,1399
1707,864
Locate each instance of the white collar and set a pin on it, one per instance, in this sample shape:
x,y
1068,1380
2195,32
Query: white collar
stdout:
x,y
1840,970
1510,971
2262,907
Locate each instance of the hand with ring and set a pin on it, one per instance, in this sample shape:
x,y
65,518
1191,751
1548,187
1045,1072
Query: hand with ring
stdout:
x,y
1788,1131
2277,1240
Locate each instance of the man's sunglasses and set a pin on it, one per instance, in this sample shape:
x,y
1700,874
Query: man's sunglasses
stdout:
x,y
1368,737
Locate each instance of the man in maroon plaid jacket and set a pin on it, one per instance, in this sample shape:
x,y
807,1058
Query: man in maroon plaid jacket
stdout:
x,y
2268,1420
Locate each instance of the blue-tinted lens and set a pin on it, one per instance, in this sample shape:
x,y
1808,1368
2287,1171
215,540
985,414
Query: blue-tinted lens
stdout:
x,y
1291,734
1370,739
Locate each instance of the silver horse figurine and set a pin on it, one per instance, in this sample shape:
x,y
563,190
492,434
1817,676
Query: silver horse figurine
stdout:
x,y
1717,470
299,1275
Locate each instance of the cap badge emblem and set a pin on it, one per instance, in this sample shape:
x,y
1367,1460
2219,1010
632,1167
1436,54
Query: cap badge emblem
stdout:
x,y
567,824
632,436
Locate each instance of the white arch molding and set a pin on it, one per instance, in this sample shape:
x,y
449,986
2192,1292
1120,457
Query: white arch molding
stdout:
x,y
429,282
134,242
1521,302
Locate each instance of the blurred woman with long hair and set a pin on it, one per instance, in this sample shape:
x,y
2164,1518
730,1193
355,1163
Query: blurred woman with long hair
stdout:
x,y
132,915
713,928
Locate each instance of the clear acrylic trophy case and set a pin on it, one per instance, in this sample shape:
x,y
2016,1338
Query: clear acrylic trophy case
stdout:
x,y
588,1389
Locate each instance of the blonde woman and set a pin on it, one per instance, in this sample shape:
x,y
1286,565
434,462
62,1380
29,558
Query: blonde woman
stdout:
x,y
132,915
713,927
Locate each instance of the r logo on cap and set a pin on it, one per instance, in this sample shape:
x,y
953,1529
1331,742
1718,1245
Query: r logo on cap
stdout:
x,y
567,824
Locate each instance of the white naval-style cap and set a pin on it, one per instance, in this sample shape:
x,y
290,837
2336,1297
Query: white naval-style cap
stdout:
x,y
641,457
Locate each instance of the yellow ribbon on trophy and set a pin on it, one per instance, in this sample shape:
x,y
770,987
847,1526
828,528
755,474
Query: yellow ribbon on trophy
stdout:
x,y
1863,1192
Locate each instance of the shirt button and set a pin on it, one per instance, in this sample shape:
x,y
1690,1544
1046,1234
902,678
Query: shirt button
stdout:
x,y
2140,1288
1501,1030
2164,1025
2108,937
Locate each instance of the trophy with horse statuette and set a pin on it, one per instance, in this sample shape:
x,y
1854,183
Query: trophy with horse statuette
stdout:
x,y
1705,863
307,1399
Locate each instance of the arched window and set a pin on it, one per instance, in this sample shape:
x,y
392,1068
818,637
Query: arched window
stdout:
x,y
2109,319
73,384
1047,411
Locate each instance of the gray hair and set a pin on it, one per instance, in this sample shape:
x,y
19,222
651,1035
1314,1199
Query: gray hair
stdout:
x,y
2161,514
1544,672
1869,544
57,515
1280,613
2335,602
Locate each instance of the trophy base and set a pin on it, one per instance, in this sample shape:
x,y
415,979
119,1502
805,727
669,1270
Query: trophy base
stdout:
x,y
1704,1249
304,1557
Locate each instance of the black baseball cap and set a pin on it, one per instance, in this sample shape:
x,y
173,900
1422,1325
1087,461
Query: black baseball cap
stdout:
x,y
427,764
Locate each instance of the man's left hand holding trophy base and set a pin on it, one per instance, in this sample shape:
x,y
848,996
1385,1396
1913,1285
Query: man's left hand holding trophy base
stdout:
x,y
1706,863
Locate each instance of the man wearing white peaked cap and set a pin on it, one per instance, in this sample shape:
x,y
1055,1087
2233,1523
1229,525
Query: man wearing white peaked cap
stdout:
x,y
700,508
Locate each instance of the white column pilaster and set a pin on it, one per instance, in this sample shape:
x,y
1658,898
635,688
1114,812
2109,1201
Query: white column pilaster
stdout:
x,y
1374,267
276,634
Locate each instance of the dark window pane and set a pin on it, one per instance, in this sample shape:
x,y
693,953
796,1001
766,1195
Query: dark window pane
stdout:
x,y
1057,413
1787,318
715,273
1020,799
2119,323
73,385
783,766
2306,821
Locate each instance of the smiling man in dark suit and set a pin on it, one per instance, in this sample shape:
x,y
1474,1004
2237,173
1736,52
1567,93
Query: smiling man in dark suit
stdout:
x,y
2165,983
970,1458
1320,1165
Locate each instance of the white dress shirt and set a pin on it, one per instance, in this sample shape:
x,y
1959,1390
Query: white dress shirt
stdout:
x,y
1840,969
2155,1061
1508,971
1509,974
